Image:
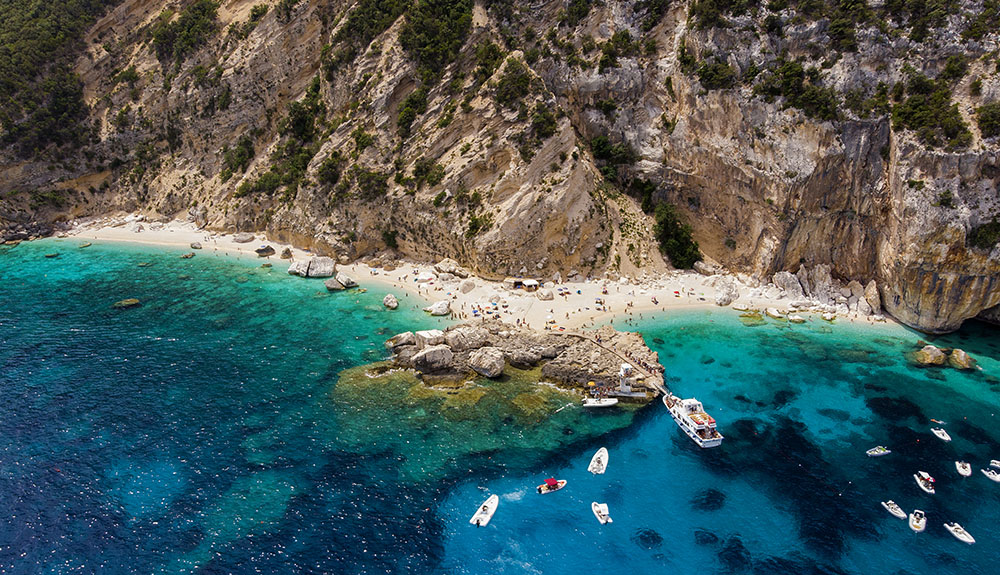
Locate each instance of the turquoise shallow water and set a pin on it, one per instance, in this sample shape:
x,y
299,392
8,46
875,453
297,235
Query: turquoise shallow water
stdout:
x,y
209,431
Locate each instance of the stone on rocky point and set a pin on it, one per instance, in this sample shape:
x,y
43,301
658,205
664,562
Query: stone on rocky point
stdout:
x,y
400,340
788,282
433,358
333,285
487,361
346,280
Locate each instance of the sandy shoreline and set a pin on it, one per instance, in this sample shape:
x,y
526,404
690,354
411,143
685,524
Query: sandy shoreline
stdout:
x,y
575,305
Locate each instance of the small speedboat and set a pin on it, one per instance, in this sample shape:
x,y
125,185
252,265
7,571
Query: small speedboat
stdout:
x,y
485,512
960,533
995,463
878,451
992,474
925,481
551,485
600,401
941,433
918,520
896,510
599,462
964,469
601,512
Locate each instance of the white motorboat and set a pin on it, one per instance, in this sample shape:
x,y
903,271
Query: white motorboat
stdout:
x,y
551,485
878,451
896,510
599,462
692,419
941,433
601,512
485,511
918,521
600,401
925,481
960,533
995,463
992,474
964,469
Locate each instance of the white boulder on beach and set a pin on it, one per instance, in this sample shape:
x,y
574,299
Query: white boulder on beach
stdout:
x,y
442,307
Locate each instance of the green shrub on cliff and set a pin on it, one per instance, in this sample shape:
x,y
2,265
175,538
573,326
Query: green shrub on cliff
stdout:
x,y
988,119
800,88
716,75
985,236
178,38
927,110
675,237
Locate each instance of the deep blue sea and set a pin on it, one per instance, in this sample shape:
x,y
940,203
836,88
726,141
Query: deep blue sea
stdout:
x,y
224,427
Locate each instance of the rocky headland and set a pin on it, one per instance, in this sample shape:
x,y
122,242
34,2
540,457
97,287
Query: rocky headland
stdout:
x,y
569,360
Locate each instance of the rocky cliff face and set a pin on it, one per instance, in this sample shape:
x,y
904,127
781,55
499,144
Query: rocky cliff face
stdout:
x,y
273,124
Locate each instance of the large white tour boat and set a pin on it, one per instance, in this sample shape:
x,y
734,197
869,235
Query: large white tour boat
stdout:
x,y
691,417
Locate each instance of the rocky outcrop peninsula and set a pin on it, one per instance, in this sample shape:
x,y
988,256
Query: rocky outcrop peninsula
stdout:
x,y
569,360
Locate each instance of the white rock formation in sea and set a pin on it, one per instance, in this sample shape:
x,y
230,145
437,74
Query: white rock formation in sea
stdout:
x,y
316,267
390,301
346,280
433,358
961,360
487,361
333,285
930,355
429,337
400,340
299,268
442,307
774,313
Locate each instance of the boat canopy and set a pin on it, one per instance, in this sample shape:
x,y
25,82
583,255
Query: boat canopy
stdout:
x,y
551,482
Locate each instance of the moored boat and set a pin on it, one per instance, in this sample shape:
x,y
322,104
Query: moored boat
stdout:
x,y
485,511
964,469
692,419
992,474
960,533
599,462
896,510
924,481
550,485
878,451
995,463
601,512
918,521
600,401
941,433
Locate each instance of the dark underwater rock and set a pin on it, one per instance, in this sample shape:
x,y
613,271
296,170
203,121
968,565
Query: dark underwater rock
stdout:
x,y
647,538
708,500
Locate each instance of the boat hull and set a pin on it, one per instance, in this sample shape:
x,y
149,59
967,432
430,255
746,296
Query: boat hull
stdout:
x,y
929,488
960,533
545,489
606,402
485,512
599,462
601,512
918,524
894,509
682,423
964,469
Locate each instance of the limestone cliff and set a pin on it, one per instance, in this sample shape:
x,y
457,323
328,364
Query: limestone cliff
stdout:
x,y
334,125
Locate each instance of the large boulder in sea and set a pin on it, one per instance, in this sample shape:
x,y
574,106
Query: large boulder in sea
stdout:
x,y
726,292
429,337
321,267
465,338
434,358
929,355
299,268
487,361
401,340
390,301
333,285
961,360
442,307
346,280
243,238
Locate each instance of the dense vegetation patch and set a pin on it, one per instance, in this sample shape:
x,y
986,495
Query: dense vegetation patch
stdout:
x,y
434,32
414,105
799,86
675,237
514,84
291,159
368,19
985,236
238,158
716,74
41,99
926,108
177,38
988,118
612,156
